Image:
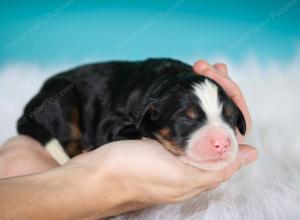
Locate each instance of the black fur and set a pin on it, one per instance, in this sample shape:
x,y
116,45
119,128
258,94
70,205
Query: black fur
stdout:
x,y
94,104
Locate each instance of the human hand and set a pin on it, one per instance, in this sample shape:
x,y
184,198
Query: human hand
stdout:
x,y
218,72
134,174
140,173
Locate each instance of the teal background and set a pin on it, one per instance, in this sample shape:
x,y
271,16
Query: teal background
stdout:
x,y
74,31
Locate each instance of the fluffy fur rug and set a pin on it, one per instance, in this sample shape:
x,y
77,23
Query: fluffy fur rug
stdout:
x,y
268,189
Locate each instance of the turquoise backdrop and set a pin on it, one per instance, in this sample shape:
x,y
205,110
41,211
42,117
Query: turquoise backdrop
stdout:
x,y
77,30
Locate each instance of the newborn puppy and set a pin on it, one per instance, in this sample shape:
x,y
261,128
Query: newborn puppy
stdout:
x,y
162,99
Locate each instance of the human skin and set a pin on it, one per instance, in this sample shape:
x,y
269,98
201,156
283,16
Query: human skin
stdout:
x,y
115,178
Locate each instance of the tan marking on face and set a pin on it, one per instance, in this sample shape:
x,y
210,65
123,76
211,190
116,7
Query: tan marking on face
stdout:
x,y
151,108
170,145
192,113
164,132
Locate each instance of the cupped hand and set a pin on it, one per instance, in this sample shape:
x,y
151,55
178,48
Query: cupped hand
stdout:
x,y
140,173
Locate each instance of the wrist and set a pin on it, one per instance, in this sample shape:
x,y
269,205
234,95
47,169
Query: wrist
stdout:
x,y
100,189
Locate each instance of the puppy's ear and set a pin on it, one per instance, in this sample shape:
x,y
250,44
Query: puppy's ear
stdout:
x,y
149,114
240,122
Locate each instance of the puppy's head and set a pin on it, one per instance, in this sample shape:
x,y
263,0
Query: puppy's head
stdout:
x,y
197,121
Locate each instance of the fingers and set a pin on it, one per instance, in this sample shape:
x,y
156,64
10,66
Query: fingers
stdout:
x,y
221,68
201,180
246,155
233,91
200,66
218,72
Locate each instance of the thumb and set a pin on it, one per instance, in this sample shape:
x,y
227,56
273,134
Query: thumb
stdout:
x,y
246,155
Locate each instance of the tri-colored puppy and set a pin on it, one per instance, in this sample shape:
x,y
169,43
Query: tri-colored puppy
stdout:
x,y
163,99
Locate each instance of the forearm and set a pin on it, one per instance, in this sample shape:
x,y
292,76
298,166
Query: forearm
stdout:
x,y
61,193
44,195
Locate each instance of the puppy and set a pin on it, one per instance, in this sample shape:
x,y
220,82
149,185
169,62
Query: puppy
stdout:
x,y
163,99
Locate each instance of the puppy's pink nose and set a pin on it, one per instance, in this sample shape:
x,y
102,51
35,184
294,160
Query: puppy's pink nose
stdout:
x,y
220,146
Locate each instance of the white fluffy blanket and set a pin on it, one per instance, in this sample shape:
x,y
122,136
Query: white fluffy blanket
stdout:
x,y
268,189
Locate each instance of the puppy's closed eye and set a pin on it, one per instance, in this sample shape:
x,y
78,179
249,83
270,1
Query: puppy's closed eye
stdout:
x,y
191,113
